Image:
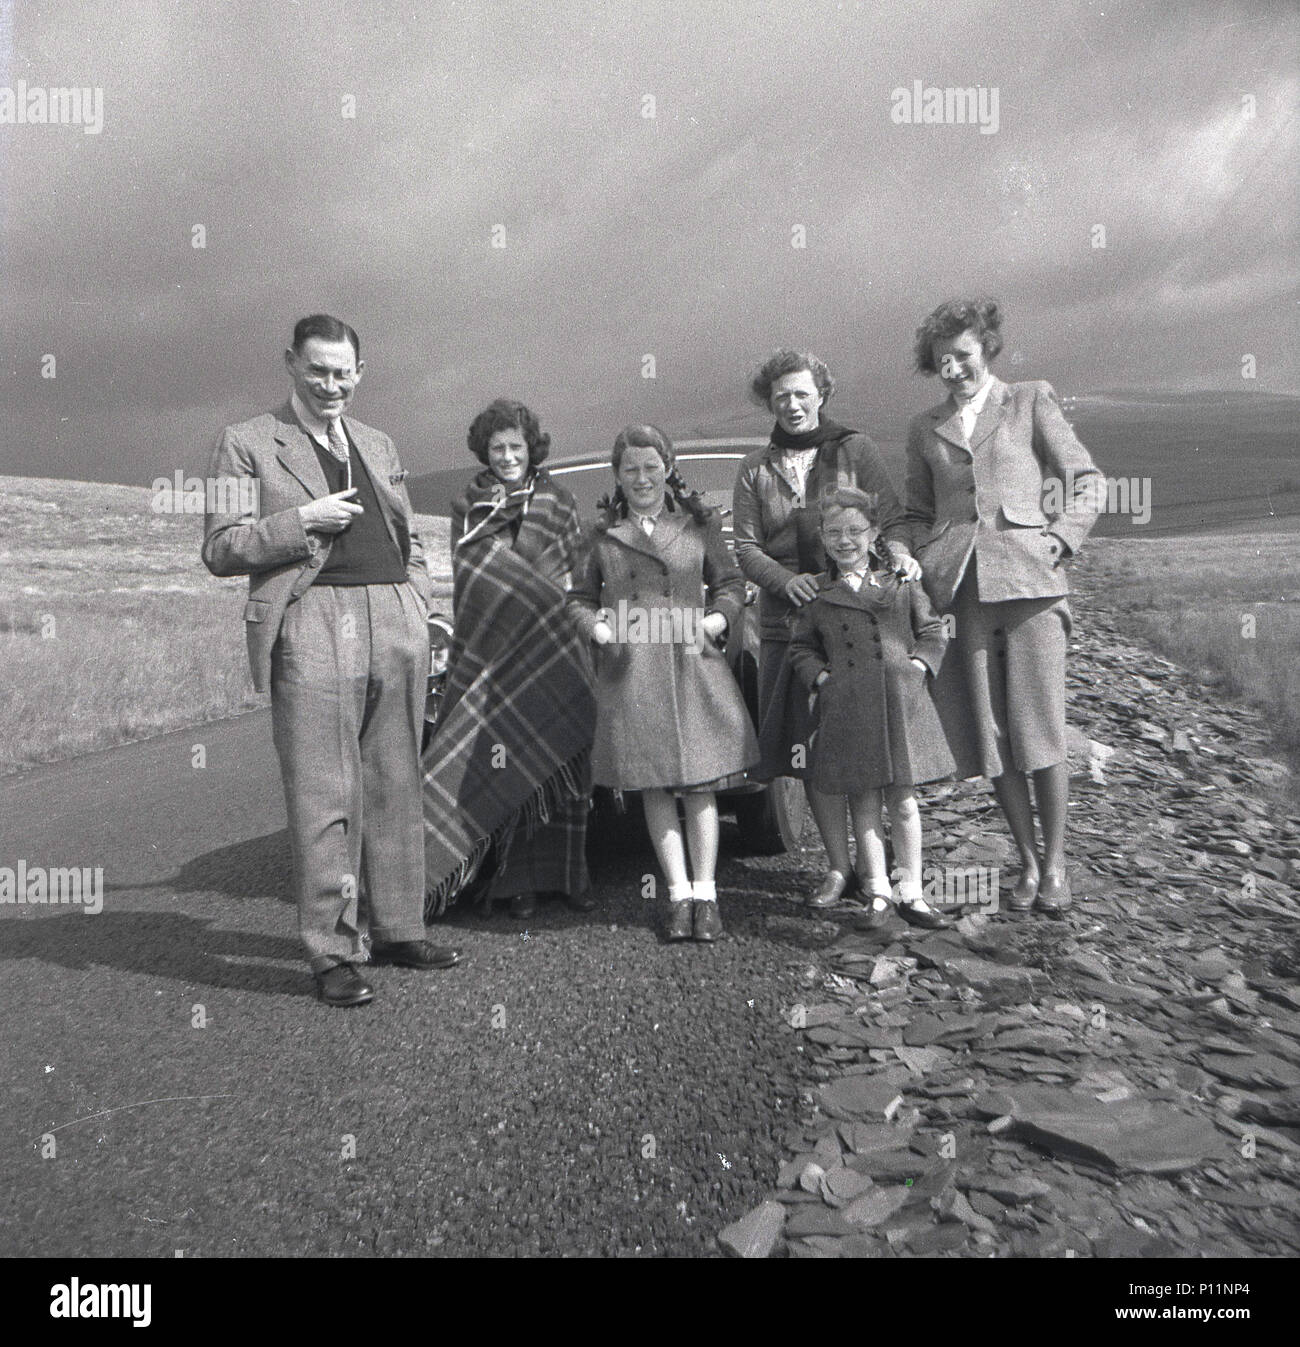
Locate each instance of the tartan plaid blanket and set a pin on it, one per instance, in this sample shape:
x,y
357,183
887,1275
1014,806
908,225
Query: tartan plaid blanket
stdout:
x,y
516,724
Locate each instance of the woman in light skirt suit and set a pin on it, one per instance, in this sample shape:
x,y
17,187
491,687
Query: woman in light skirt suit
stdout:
x,y
999,495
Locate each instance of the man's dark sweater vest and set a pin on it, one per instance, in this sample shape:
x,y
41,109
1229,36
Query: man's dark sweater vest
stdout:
x,y
364,553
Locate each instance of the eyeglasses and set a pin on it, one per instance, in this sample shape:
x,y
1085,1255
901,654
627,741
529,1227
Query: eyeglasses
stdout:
x,y
836,535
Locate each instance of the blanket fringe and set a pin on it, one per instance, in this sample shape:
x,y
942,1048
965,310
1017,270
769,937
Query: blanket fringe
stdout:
x,y
567,782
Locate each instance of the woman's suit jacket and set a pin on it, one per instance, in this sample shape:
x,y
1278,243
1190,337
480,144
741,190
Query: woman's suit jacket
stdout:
x,y
1021,496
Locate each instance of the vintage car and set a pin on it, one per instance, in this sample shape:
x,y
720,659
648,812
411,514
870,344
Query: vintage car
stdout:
x,y
771,817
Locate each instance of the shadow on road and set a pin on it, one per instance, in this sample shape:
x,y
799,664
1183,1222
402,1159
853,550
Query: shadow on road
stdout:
x,y
258,867
191,950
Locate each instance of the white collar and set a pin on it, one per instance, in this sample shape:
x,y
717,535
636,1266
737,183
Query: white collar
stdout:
x,y
309,421
975,404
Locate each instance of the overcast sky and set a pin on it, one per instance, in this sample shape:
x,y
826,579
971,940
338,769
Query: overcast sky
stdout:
x,y
626,235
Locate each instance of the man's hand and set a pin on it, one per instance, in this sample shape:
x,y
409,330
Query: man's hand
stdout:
x,y
602,633
330,514
801,589
908,566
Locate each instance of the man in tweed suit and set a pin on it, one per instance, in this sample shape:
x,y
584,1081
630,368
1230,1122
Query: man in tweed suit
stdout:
x,y
336,626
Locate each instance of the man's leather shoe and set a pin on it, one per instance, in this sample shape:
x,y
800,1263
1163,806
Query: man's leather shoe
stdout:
x,y
833,888
926,918
1054,893
342,985
523,905
581,902
680,921
708,922
416,954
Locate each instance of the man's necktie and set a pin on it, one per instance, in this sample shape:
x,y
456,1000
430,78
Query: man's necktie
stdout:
x,y
336,441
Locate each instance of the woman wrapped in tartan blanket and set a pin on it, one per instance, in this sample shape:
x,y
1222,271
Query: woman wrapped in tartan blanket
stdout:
x,y
507,772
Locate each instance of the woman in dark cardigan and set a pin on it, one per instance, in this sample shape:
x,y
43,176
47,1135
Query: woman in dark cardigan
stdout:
x,y
778,546
507,769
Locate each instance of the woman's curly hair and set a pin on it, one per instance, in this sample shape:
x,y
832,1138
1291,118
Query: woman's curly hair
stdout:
x,y
983,317
787,361
506,414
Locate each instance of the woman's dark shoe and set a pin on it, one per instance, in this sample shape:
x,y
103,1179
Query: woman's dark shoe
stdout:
x,y
1054,893
581,902
833,888
708,922
342,985
924,917
416,954
523,905
680,920
1023,895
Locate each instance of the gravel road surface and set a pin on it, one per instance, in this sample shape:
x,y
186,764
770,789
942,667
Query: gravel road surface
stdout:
x,y
577,1087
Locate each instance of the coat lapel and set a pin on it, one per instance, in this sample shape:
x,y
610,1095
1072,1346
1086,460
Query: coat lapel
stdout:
x,y
991,416
947,424
775,460
869,596
296,454
371,454
628,532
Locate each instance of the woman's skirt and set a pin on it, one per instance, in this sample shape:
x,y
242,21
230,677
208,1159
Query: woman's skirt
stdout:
x,y
553,859
1000,693
785,723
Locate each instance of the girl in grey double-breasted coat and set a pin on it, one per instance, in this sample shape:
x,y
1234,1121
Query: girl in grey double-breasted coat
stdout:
x,y
656,596
867,647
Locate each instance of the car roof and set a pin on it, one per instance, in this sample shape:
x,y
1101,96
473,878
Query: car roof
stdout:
x,y
734,448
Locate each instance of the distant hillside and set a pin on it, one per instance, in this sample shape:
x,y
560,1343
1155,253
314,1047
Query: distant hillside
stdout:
x,y
1213,459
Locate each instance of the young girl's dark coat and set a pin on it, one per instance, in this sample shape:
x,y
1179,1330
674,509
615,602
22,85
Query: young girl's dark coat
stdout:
x,y
875,721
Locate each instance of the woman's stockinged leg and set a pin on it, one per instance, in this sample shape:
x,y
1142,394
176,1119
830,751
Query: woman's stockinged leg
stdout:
x,y
1012,791
702,835
665,830
1052,794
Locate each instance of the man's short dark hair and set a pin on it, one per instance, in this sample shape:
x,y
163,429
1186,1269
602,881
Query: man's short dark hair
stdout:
x,y
327,328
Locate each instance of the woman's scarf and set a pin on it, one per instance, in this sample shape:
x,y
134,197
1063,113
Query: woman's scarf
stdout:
x,y
516,724
825,431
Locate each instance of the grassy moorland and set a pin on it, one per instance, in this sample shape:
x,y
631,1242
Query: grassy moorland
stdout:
x,y
1228,602
111,627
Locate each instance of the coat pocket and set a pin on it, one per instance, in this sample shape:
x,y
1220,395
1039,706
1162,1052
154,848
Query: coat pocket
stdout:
x,y
255,610
1022,513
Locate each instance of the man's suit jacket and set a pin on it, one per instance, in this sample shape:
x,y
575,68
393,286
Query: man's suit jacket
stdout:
x,y
268,543
1021,496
